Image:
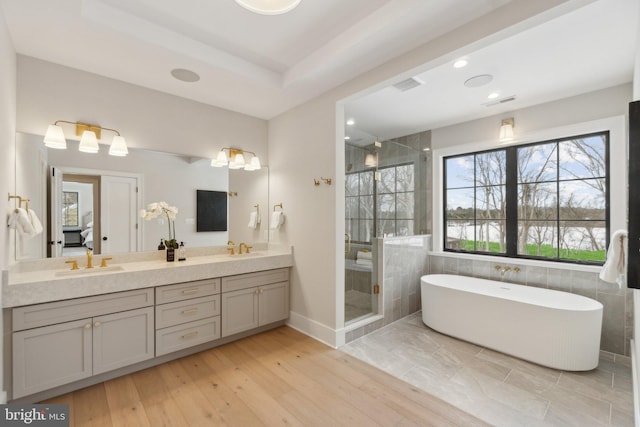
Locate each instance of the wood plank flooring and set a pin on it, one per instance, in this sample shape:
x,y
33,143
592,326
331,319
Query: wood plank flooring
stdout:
x,y
280,377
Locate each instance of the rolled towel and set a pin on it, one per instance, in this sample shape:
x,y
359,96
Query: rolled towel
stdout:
x,y
364,255
253,220
19,221
614,269
35,222
277,219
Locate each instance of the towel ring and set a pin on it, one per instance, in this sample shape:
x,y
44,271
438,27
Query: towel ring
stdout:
x,y
279,205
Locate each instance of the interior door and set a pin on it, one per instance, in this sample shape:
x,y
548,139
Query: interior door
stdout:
x,y
118,214
55,236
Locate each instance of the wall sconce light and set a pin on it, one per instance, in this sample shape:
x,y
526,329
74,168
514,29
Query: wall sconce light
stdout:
x,y
89,136
506,130
236,159
371,160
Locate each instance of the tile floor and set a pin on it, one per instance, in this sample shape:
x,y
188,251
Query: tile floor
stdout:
x,y
497,388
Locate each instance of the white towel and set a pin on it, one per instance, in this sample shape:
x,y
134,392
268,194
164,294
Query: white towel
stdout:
x,y
19,221
361,261
35,222
614,269
364,255
253,220
277,219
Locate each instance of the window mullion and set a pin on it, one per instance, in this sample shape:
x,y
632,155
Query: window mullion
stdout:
x,y
511,190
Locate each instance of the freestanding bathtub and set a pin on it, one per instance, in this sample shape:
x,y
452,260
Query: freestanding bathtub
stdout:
x,y
551,328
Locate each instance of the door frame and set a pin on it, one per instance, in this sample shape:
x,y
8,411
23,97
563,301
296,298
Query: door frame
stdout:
x,y
64,170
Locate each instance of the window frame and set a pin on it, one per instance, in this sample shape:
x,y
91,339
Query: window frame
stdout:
x,y
375,194
512,207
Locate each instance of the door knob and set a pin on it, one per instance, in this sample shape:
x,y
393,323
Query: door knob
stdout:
x,y
104,238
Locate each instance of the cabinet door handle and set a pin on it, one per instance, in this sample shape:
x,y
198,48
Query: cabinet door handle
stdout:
x,y
190,291
190,335
97,324
190,311
87,326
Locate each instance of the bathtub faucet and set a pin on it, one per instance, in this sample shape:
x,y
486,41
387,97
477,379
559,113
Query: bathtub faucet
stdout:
x,y
502,270
506,268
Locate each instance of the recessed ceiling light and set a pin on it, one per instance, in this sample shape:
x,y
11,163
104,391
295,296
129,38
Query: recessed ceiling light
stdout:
x,y
347,138
480,80
426,149
351,122
269,7
460,63
185,75
493,95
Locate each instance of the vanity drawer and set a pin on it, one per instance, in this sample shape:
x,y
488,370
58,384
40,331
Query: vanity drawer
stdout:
x,y
187,290
33,316
251,280
187,335
179,312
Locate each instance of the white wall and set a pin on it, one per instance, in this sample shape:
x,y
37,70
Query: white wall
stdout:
x,y
307,142
7,135
146,118
567,117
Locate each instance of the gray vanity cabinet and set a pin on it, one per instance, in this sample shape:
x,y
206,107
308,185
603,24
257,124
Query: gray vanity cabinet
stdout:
x,y
253,300
63,344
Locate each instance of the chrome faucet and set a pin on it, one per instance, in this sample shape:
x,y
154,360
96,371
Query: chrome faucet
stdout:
x,y
89,257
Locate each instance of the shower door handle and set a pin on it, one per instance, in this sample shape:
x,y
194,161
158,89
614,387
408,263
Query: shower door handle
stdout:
x,y
348,243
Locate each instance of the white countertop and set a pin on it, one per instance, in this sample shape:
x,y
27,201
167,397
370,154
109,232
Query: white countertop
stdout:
x,y
51,280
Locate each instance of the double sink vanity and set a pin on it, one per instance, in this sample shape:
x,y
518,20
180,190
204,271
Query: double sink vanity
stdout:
x,y
67,329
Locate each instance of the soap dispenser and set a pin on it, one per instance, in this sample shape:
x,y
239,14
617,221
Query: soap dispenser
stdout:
x,y
182,252
161,246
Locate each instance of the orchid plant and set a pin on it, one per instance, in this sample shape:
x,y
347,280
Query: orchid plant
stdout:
x,y
162,209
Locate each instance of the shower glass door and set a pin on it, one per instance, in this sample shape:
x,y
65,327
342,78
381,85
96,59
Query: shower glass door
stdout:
x,y
360,259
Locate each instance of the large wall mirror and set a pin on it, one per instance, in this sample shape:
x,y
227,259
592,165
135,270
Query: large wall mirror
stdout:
x,y
92,200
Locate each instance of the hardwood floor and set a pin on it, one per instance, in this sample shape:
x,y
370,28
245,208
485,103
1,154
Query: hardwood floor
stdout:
x,y
280,377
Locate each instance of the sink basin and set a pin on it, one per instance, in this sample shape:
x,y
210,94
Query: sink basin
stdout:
x,y
95,270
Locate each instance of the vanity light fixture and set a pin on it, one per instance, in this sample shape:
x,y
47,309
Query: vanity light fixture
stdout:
x,y
269,7
236,159
89,136
506,130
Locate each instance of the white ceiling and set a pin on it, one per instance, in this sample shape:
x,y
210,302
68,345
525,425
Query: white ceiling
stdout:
x,y
590,48
264,65
255,64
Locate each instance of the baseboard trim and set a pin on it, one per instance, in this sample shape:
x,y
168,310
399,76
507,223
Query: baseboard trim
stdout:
x,y
314,329
636,387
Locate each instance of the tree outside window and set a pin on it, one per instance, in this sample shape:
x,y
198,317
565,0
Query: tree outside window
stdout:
x,y
70,209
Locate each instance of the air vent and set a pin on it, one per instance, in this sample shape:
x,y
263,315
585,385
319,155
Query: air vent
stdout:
x,y
500,101
408,84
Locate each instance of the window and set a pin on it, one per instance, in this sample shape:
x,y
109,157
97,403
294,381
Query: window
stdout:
x,y
70,209
392,196
548,200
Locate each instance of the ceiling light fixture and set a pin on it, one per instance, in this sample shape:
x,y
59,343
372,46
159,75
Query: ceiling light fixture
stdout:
x,y
506,130
493,95
351,122
269,7
460,63
479,80
236,160
89,136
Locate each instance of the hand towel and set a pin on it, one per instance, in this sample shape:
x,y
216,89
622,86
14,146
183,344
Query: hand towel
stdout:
x,y
253,220
614,269
35,222
19,221
364,255
361,261
277,219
